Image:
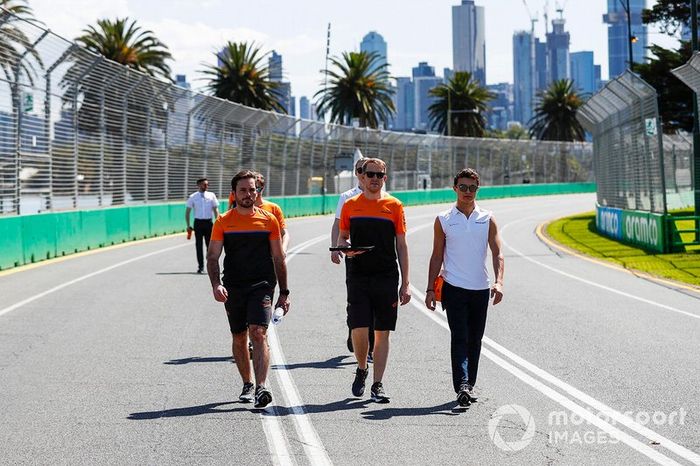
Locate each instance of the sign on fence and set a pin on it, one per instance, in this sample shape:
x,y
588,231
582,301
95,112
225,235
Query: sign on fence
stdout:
x,y
644,229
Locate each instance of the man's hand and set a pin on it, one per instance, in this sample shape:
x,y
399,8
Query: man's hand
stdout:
x,y
336,256
190,228
283,302
430,302
220,293
404,294
497,293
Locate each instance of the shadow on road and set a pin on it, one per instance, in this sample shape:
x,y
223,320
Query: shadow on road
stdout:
x,y
179,273
341,405
211,408
332,363
178,362
445,409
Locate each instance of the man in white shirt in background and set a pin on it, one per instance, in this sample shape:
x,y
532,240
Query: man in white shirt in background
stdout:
x,y
205,205
336,256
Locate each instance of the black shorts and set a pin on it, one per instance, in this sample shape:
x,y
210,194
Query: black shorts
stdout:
x,y
249,306
373,299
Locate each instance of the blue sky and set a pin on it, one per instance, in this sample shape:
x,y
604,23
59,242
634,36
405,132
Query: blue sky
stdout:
x,y
415,30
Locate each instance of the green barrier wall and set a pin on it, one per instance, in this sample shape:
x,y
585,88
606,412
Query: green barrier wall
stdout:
x,y
32,238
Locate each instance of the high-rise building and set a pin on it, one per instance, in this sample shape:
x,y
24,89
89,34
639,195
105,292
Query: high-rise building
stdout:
x,y
524,76
373,42
558,59
468,40
181,81
583,72
424,80
304,109
500,111
274,66
618,50
404,105
598,77
541,68
284,88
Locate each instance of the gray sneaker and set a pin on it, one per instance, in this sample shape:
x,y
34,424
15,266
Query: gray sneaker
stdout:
x,y
465,395
246,395
378,393
263,397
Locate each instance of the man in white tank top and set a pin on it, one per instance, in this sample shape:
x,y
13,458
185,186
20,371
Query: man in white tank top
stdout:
x,y
461,237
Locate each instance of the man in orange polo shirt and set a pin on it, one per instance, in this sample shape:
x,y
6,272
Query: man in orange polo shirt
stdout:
x,y
253,264
374,218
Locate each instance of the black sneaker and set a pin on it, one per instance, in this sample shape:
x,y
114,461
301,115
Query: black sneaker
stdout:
x,y
358,385
465,395
263,397
250,349
370,358
246,395
378,393
200,270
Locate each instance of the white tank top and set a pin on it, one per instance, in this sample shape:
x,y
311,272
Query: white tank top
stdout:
x,y
466,240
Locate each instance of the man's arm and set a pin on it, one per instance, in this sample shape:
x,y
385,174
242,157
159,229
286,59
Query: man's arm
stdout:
x,y
402,252
215,209
435,263
187,217
213,254
498,261
279,261
285,240
335,229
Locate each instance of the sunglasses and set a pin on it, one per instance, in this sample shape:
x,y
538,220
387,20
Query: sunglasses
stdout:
x,y
379,175
467,187
259,189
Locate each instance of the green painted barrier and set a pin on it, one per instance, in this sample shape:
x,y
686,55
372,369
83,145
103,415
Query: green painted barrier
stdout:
x,y
644,229
31,238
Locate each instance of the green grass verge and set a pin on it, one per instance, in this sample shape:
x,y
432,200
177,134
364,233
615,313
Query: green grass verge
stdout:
x,y
578,232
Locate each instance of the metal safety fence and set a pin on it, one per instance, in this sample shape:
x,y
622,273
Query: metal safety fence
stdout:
x,y
628,145
80,131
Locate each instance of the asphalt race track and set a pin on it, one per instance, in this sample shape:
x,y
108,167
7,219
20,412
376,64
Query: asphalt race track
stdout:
x,y
123,357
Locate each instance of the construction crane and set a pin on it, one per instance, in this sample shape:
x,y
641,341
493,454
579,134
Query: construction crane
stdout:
x,y
533,18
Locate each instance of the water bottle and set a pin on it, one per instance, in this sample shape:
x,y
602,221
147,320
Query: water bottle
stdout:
x,y
277,316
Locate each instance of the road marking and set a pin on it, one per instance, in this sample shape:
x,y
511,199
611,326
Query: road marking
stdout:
x,y
568,403
589,282
541,233
313,446
276,439
85,277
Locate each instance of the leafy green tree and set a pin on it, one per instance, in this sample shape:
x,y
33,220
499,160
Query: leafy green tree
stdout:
x,y
243,77
459,106
358,88
668,15
555,114
124,42
14,42
675,98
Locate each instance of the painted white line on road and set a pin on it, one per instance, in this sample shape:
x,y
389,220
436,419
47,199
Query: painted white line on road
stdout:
x,y
563,400
313,446
85,277
276,439
597,405
589,282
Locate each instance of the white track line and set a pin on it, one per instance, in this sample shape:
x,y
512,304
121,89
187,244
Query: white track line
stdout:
x,y
85,277
568,403
313,446
590,401
592,283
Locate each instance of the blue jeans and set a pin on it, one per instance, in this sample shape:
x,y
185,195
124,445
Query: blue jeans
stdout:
x,y
466,316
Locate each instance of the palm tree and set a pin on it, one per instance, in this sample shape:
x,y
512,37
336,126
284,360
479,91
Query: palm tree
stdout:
x,y
555,114
359,88
459,106
126,43
242,77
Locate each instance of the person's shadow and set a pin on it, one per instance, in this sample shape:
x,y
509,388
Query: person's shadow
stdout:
x,y
210,408
332,363
197,359
445,409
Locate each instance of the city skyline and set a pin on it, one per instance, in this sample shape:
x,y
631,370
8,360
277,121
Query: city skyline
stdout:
x,y
413,31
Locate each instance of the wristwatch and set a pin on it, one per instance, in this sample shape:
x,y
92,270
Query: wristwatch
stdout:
x,y
284,291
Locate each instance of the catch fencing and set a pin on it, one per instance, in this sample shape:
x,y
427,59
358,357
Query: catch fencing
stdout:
x,y
79,131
